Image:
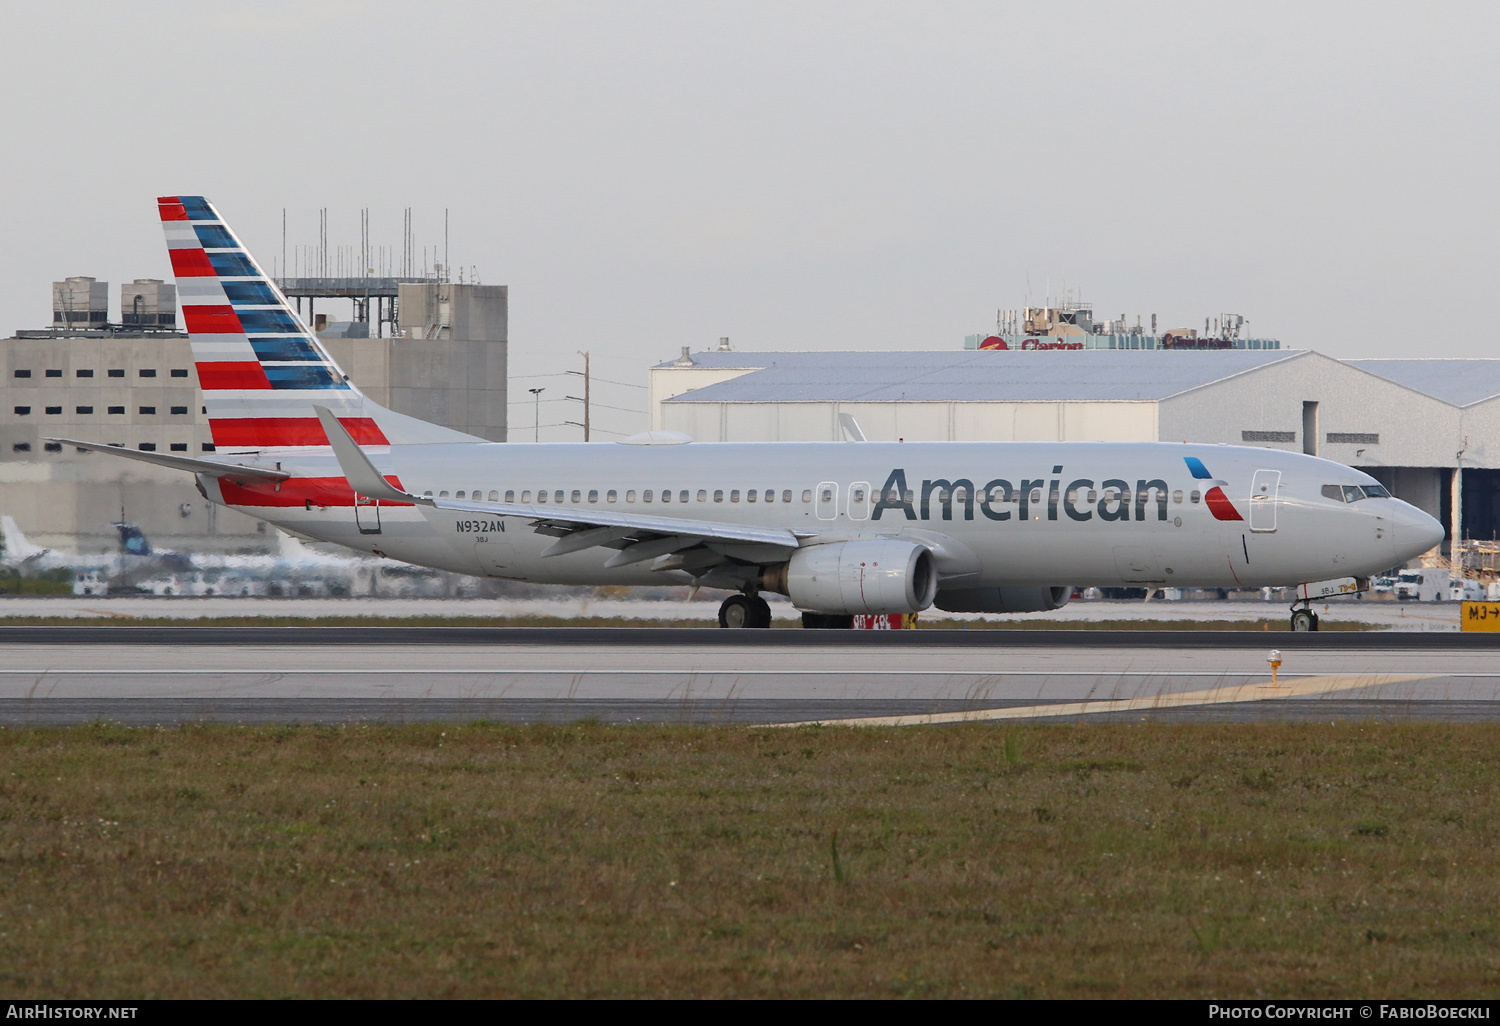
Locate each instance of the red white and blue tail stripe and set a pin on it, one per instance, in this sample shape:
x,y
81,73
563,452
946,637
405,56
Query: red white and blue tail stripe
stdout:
x,y
262,371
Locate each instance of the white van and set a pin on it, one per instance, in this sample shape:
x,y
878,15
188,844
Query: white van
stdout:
x,y
1461,589
1423,584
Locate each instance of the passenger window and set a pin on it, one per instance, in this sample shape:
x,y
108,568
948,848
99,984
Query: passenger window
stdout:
x,y
682,496
427,494
1036,497
458,494
495,496
1177,496
541,495
734,495
750,495
593,495
525,495
1094,496
577,496
770,495
1333,492
666,495
718,495
442,495
510,495
558,494
828,495
612,496
630,495
807,495
786,495
646,495
702,494
1193,496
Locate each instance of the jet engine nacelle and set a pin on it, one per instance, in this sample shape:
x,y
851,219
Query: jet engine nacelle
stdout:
x,y
876,576
1003,600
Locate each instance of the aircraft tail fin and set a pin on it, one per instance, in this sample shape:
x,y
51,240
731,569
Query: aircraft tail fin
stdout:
x,y
260,368
15,548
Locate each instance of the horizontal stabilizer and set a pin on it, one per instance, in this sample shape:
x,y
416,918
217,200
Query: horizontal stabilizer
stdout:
x,y
187,463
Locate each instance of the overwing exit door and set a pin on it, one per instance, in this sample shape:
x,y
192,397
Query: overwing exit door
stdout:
x,y
1263,500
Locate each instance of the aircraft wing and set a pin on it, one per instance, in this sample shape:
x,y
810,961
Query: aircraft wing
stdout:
x,y
162,459
638,536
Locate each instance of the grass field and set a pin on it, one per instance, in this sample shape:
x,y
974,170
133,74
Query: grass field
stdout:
x,y
1096,861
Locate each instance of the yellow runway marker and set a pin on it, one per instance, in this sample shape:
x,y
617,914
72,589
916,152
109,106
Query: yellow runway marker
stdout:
x,y
1227,695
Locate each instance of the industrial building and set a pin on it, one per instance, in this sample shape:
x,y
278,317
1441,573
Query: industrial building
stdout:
x,y
132,382
1427,429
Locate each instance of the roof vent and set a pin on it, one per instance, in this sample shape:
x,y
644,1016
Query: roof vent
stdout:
x,y
684,360
724,344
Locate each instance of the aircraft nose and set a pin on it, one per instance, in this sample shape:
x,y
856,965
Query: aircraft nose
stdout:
x,y
1415,532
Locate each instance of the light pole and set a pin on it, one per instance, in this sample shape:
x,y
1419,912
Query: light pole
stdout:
x,y
537,392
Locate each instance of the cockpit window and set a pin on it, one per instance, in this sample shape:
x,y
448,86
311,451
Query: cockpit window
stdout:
x,y
1353,493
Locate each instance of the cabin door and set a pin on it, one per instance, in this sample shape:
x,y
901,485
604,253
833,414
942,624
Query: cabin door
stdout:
x,y
1263,500
367,514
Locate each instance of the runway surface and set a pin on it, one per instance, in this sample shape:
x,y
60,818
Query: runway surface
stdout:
x,y
336,675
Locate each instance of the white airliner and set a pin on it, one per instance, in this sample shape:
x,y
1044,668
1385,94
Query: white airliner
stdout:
x,y
840,528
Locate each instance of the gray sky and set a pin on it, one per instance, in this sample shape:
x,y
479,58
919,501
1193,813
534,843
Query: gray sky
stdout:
x,y
646,176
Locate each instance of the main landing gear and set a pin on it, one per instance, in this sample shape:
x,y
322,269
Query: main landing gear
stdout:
x,y
745,611
1304,619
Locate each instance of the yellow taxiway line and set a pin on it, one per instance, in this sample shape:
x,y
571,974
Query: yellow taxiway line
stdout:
x,y
1225,695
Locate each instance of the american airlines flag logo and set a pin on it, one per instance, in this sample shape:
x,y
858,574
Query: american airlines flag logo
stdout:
x,y
1214,498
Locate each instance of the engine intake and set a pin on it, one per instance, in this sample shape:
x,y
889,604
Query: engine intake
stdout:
x,y
1003,600
876,576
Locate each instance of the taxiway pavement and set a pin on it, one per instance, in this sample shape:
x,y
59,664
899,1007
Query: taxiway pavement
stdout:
x,y
291,675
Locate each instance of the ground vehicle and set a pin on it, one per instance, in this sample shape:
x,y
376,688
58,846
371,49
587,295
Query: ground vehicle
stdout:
x,y
1424,584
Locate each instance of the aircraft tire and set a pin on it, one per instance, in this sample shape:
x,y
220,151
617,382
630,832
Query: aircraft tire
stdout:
x,y
1304,620
737,611
761,612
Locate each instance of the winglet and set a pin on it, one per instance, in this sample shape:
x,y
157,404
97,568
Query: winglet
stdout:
x,y
852,433
358,470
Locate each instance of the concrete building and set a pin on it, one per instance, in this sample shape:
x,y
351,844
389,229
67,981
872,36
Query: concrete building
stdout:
x,y
139,388
1428,429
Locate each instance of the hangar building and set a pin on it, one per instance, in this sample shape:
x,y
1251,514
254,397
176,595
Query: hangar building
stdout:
x,y
1427,429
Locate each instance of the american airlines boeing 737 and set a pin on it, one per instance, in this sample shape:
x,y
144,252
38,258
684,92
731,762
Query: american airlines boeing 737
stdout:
x,y
841,528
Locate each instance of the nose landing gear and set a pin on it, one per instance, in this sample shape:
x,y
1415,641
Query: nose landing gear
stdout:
x,y
745,611
1304,619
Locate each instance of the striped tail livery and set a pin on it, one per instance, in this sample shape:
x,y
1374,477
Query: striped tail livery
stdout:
x,y
262,371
